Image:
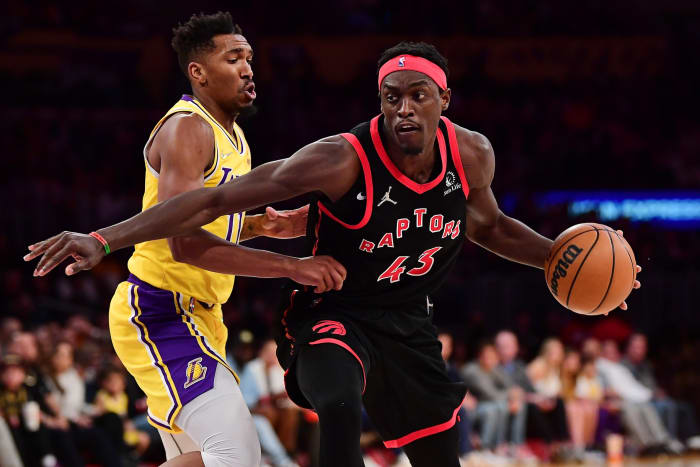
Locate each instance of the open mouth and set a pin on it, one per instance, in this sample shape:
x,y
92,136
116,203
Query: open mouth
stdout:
x,y
405,128
249,90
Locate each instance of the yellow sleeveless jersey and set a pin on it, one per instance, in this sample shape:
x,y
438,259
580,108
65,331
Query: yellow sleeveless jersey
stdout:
x,y
152,261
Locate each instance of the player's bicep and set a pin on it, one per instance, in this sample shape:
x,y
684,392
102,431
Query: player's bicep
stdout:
x,y
329,166
185,147
324,166
482,210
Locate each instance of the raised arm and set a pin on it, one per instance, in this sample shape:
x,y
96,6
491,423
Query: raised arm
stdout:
x,y
329,166
487,226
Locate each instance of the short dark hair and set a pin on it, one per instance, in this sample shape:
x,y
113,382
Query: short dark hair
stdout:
x,y
197,34
419,49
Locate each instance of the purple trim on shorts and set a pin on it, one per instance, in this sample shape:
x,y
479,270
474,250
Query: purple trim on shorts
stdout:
x,y
158,423
142,330
176,345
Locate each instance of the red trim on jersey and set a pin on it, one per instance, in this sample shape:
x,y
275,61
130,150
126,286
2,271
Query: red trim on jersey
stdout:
x,y
411,437
419,188
330,340
284,316
318,225
352,139
456,157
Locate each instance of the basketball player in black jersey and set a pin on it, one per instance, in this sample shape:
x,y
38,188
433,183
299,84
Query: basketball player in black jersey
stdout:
x,y
396,197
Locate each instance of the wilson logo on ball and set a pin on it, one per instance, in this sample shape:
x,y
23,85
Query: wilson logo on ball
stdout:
x,y
560,270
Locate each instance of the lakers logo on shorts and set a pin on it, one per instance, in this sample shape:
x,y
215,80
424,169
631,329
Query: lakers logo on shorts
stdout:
x,y
333,327
196,372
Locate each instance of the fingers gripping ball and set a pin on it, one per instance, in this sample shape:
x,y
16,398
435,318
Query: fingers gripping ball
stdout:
x,y
590,269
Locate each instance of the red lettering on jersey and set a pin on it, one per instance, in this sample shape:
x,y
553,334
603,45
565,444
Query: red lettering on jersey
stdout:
x,y
401,225
448,229
419,216
387,240
436,223
427,260
455,231
367,246
393,272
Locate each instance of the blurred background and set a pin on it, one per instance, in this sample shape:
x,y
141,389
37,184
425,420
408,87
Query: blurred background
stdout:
x,y
591,110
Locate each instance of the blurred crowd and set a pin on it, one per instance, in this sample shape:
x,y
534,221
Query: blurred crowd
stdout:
x,y
65,399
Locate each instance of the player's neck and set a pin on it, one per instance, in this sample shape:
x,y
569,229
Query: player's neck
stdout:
x,y
225,118
417,167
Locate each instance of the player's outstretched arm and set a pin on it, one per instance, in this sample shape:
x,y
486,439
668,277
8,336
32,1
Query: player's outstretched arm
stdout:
x,y
487,226
329,166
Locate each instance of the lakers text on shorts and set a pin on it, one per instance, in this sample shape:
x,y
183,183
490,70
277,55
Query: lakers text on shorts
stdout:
x,y
169,342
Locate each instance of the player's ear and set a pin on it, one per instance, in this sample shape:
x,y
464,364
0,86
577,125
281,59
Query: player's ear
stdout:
x,y
197,73
445,98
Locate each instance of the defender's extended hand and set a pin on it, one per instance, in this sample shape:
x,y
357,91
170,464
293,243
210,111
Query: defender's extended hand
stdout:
x,y
284,224
84,249
322,272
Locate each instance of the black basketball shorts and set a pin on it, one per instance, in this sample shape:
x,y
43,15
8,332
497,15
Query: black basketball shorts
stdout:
x,y
407,393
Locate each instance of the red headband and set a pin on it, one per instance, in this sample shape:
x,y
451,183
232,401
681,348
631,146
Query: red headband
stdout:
x,y
411,62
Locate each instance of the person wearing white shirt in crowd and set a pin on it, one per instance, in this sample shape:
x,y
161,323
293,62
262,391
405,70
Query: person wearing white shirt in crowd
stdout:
x,y
638,415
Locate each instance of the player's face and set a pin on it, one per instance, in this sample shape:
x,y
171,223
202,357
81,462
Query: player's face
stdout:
x,y
229,74
412,104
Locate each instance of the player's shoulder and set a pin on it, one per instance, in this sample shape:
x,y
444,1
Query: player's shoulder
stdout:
x,y
478,158
183,139
187,125
335,149
474,142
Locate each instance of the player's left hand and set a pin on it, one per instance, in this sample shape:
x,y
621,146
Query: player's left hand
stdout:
x,y
637,284
85,250
284,224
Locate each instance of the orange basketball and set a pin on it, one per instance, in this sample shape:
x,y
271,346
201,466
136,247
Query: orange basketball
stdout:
x,y
590,269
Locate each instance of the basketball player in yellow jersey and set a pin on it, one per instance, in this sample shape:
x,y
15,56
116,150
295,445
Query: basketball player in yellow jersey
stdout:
x,y
165,320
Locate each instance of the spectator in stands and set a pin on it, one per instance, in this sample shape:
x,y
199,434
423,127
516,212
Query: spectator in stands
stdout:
x,y
545,374
9,456
68,389
8,327
678,416
270,444
545,414
583,392
638,415
111,400
24,345
466,412
273,401
26,423
501,408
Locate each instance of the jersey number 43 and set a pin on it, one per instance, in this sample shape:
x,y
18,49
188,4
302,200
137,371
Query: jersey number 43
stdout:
x,y
394,271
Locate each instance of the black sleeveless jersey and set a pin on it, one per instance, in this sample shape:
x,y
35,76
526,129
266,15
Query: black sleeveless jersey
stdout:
x,y
398,239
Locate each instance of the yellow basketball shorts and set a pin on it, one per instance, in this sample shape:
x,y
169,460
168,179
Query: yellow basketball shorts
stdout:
x,y
170,343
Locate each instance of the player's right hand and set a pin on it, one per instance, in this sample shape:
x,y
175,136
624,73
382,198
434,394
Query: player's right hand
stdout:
x,y
84,249
322,272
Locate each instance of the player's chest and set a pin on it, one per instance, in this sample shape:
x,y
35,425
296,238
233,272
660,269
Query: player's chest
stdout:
x,y
402,220
231,165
